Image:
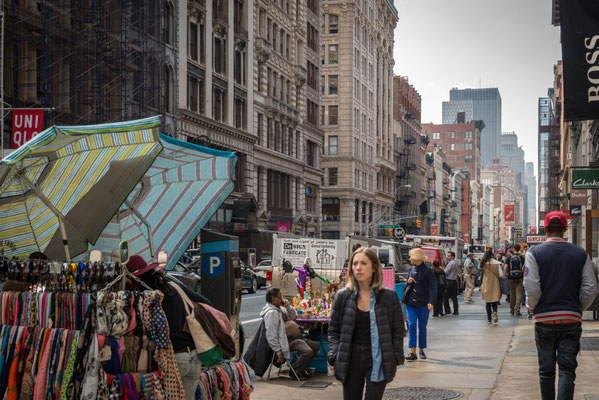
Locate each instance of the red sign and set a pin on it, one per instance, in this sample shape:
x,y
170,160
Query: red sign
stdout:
x,y
434,230
466,237
25,125
531,239
283,226
533,231
567,214
509,213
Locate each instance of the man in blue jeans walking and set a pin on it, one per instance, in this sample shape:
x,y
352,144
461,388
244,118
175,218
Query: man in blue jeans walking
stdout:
x,y
560,284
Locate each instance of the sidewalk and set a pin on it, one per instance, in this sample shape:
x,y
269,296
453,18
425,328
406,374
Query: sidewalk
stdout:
x,y
468,355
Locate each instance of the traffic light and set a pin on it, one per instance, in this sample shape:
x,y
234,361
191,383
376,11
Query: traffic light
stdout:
x,y
417,223
389,232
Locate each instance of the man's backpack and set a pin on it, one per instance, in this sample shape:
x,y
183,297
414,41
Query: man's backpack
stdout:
x,y
516,270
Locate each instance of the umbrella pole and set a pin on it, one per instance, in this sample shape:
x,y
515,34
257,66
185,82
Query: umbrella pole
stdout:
x,y
65,241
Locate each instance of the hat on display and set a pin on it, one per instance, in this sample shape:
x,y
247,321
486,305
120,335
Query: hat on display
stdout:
x,y
138,266
556,218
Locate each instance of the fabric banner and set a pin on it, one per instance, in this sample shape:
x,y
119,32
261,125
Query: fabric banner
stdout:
x,y
434,230
25,125
510,214
283,226
579,20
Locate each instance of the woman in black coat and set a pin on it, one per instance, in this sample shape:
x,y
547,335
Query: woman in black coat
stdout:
x,y
366,330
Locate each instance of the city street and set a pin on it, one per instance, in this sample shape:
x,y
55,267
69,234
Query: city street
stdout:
x,y
251,304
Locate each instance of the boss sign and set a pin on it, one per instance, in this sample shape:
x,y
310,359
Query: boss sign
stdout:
x,y
25,125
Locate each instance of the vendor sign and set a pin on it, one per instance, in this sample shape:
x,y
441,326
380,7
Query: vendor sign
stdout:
x,y
585,178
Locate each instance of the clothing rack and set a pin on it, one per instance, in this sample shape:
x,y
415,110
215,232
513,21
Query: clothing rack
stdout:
x,y
229,379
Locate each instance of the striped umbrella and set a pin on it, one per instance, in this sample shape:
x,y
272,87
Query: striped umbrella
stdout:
x,y
177,196
59,190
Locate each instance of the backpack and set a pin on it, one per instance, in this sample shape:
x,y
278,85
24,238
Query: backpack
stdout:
x,y
515,271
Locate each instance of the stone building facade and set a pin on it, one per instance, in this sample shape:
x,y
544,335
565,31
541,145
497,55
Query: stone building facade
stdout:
x,y
286,72
357,115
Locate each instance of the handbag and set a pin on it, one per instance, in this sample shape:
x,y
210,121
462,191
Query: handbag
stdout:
x,y
208,352
406,292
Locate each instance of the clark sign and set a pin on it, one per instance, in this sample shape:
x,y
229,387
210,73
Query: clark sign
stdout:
x,y
585,179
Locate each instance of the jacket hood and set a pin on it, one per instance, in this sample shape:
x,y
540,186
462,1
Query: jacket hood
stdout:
x,y
269,308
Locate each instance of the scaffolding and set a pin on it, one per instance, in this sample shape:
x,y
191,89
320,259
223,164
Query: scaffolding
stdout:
x,y
91,61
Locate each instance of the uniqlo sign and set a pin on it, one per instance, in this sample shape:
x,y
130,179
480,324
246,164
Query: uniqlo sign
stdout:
x,y
25,125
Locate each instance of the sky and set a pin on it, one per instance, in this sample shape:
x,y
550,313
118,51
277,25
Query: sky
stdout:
x,y
508,44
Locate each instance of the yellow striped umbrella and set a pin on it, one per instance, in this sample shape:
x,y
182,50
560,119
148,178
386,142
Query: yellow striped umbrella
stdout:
x,y
59,190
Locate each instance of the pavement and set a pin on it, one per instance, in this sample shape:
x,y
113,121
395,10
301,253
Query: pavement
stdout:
x,y
467,357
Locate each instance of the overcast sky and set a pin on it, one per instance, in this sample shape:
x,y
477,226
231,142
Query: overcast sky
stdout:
x,y
508,44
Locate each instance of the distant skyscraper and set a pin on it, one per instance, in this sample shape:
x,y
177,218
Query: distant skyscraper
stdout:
x,y
512,155
478,104
531,184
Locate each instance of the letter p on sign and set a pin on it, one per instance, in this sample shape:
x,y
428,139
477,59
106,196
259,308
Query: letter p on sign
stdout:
x,y
213,265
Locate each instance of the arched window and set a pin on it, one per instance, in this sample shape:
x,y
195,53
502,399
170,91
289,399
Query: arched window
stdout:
x,y
169,25
169,89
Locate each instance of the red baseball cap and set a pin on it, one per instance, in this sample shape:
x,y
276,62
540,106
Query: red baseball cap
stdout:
x,y
556,216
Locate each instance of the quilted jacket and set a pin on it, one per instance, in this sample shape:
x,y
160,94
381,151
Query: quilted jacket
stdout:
x,y
390,323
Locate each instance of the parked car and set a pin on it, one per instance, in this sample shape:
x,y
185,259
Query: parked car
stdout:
x,y
248,278
260,270
189,278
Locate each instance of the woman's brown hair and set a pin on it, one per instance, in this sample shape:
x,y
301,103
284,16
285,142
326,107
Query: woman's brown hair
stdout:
x,y
377,272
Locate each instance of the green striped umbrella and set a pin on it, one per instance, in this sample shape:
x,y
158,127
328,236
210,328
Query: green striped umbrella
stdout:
x,y
59,190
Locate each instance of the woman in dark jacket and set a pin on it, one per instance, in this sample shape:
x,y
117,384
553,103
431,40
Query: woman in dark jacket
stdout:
x,y
421,298
366,330
441,282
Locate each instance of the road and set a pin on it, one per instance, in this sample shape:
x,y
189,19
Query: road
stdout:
x,y
251,305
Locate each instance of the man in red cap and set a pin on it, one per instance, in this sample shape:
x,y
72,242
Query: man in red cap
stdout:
x,y
560,284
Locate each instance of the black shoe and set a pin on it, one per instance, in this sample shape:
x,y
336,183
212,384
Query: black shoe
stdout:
x,y
422,355
411,357
455,313
512,312
301,376
435,315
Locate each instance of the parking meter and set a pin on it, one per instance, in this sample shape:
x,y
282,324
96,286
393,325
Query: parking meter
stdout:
x,y
221,271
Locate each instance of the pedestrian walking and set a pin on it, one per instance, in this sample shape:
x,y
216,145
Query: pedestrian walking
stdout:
x,y
366,330
451,290
514,271
441,282
490,289
421,297
469,277
560,285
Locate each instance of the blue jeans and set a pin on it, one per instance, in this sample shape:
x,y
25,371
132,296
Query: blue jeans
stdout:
x,y
417,316
557,343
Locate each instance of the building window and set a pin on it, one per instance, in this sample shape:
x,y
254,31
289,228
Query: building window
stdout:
x,y
312,72
220,52
169,89
333,54
468,146
333,175
312,37
357,210
310,199
311,153
333,142
468,135
333,115
169,29
452,135
452,146
312,112
333,23
436,136
219,104
313,5
331,209
468,158
333,84
193,41
192,93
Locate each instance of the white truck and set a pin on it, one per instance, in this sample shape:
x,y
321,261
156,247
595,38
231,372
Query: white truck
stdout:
x,y
328,258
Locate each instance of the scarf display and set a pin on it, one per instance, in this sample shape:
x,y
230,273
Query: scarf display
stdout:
x,y
227,380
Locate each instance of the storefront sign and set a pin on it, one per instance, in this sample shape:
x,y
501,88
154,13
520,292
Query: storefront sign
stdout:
x,y
25,125
578,198
509,213
532,239
575,211
466,238
579,21
585,178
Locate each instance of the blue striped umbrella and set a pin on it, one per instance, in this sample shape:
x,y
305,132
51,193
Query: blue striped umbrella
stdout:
x,y
66,183
177,196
